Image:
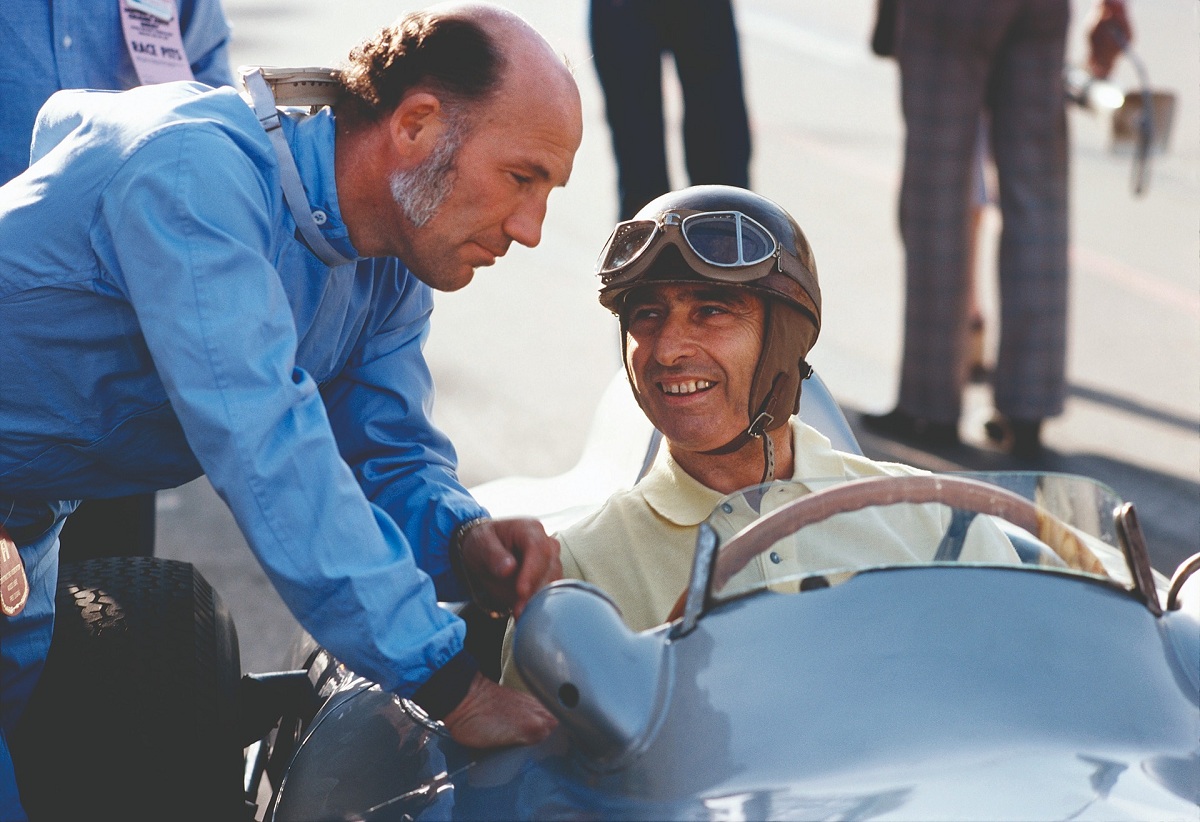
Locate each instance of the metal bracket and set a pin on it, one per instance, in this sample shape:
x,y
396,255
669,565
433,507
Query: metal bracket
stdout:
x,y
1185,570
1133,543
697,592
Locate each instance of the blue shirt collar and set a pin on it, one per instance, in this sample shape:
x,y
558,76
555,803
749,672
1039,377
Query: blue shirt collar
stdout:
x,y
311,139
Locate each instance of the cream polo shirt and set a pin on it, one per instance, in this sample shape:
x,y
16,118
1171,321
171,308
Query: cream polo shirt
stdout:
x,y
638,546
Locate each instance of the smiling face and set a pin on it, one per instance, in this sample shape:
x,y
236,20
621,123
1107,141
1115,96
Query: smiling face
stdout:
x,y
517,149
691,352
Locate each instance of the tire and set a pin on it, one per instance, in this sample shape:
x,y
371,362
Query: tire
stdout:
x,y
135,714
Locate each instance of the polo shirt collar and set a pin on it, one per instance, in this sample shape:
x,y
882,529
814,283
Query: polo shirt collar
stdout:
x,y
679,498
674,494
814,454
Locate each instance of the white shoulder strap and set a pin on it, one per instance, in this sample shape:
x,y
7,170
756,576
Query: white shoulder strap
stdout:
x,y
294,195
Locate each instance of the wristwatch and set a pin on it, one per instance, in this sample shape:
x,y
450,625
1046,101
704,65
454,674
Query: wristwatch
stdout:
x,y
481,599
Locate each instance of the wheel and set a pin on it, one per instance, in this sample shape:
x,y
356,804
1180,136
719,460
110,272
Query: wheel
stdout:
x,y
135,715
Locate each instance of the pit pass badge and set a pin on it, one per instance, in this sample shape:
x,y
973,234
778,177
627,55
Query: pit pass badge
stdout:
x,y
14,586
155,44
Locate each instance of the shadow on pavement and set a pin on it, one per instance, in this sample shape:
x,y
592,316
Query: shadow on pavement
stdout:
x,y
1131,406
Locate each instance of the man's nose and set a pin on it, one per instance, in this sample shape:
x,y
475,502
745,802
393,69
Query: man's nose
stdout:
x,y
524,225
676,339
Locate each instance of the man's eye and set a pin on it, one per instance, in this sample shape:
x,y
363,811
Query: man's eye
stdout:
x,y
712,310
522,179
643,314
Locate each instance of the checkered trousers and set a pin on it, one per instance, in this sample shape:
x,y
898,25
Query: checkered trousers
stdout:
x,y
958,59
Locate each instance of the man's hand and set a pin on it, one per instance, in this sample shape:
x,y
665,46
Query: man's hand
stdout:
x,y
1108,33
491,716
509,560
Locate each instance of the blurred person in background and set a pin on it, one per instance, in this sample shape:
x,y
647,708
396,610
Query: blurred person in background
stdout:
x,y
957,59
883,44
629,39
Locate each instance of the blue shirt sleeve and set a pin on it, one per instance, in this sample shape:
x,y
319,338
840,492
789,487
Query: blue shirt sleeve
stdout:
x,y
380,409
206,33
190,224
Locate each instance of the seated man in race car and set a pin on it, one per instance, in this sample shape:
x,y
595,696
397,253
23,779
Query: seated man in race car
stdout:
x,y
717,296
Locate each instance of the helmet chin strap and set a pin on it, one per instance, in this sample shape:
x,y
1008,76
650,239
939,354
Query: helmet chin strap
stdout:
x,y
756,430
768,459
761,425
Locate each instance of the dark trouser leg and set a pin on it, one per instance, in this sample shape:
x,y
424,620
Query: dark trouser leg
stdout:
x,y
944,52
1029,138
628,55
24,644
119,527
716,129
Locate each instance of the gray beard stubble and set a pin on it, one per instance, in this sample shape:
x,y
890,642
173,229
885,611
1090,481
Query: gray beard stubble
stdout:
x,y
421,191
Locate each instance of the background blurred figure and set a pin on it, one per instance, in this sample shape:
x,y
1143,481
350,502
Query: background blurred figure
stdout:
x,y
883,43
629,38
982,195
49,45
958,58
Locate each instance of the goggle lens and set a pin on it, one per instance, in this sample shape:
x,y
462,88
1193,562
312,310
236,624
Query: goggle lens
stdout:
x,y
627,242
725,239
728,239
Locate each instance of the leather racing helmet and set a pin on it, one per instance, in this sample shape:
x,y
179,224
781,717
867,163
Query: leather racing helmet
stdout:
x,y
729,235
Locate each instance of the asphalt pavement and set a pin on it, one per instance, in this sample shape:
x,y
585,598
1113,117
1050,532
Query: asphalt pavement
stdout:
x,y
522,356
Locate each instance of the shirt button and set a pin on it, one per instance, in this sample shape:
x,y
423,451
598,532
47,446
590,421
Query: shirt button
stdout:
x,y
727,508
319,217
775,558
67,41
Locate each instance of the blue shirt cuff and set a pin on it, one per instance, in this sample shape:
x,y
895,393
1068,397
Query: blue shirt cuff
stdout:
x,y
449,684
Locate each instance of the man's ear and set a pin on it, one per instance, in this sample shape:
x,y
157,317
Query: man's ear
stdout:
x,y
416,125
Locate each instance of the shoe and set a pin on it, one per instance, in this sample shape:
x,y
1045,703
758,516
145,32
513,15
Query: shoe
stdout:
x,y
1021,438
901,425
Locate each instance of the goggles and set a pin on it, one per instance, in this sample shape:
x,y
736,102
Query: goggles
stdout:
x,y
729,241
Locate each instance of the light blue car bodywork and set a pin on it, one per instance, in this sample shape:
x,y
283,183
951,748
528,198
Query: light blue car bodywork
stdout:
x,y
935,691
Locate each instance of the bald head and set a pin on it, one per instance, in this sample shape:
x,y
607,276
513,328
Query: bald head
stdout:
x,y
504,25
467,54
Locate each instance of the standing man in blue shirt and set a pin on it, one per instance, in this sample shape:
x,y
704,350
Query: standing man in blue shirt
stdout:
x,y
189,285
49,45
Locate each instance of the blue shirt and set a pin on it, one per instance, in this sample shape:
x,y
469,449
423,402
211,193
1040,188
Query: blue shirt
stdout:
x,y
161,319
48,45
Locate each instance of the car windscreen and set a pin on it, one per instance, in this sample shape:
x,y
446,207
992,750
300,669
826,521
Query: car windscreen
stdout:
x,y
1069,527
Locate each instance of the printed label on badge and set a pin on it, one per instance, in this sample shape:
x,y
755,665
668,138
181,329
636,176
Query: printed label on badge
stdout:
x,y
154,42
162,9
14,586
